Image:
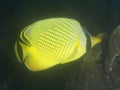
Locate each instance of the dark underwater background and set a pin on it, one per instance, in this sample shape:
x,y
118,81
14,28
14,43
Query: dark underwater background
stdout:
x,y
98,16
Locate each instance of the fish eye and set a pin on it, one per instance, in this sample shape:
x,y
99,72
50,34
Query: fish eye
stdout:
x,y
24,38
26,41
19,52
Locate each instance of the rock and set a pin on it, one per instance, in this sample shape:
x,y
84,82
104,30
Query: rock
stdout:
x,y
99,68
112,61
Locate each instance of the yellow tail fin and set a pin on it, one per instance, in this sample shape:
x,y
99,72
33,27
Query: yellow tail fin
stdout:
x,y
95,40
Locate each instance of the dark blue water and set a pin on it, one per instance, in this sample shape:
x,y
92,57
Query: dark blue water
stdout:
x,y
96,15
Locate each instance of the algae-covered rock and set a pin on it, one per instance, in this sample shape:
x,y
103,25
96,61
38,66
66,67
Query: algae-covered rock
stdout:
x,y
99,69
112,61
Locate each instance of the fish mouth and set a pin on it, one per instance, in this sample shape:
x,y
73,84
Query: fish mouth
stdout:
x,y
19,51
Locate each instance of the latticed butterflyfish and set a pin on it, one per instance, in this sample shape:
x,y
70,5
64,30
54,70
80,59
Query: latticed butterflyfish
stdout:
x,y
49,42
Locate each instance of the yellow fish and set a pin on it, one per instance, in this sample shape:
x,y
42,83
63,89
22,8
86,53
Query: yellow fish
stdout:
x,y
53,41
